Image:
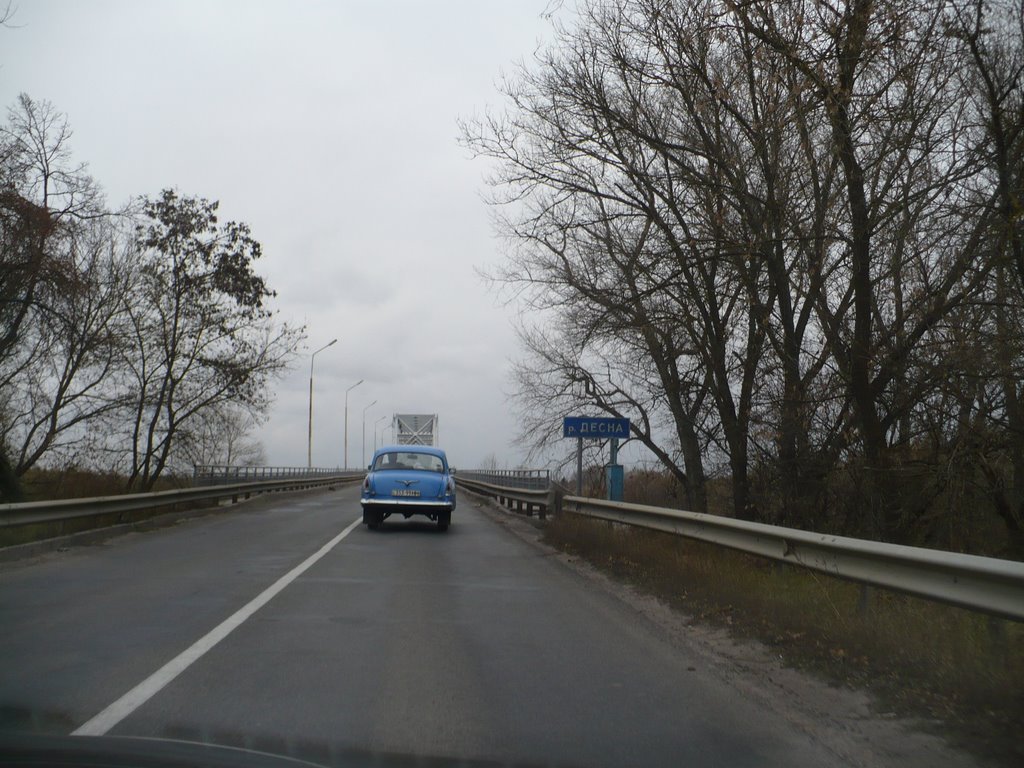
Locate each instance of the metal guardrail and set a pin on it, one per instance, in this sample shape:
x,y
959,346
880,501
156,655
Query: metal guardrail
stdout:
x,y
217,474
536,479
984,584
27,513
523,499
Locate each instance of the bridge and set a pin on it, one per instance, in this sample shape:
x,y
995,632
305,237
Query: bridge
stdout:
x,y
274,621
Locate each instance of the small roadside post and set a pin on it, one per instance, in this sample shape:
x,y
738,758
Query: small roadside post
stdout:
x,y
579,465
614,472
599,428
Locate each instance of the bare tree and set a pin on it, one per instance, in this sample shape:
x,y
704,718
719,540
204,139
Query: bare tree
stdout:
x,y
38,154
42,195
884,94
222,437
64,379
781,238
993,82
641,227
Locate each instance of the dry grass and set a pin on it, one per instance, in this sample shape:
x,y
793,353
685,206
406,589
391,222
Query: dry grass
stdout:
x,y
48,484
51,484
949,665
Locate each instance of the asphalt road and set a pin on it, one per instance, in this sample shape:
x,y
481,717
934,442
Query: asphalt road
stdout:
x,y
394,647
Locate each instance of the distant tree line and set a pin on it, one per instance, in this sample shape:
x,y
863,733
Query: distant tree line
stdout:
x,y
786,240
135,341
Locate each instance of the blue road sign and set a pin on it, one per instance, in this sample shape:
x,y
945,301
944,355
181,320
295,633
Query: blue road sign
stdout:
x,y
597,428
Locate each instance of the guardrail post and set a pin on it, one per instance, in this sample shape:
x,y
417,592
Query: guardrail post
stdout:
x,y
864,603
998,640
554,505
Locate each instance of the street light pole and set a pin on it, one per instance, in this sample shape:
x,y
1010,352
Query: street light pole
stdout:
x,y
309,435
378,421
362,454
346,418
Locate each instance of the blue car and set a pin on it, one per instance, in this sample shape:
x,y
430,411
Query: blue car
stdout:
x,y
408,480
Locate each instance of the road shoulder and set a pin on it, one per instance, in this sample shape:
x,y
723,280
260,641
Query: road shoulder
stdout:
x,y
848,723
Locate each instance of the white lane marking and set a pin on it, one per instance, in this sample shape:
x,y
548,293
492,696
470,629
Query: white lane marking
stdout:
x,y
144,691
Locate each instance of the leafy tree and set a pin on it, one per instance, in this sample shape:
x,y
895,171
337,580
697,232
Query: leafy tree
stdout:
x,y
201,335
111,331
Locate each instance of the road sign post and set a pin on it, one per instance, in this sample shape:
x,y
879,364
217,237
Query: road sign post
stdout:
x,y
599,428
614,474
579,466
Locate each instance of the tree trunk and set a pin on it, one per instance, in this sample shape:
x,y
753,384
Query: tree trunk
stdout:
x,y
10,486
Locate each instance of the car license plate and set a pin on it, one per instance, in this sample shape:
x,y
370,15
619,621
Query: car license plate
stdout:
x,y
404,492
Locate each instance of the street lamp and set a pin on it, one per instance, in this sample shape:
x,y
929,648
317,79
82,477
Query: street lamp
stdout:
x,y
346,418
309,439
362,454
375,431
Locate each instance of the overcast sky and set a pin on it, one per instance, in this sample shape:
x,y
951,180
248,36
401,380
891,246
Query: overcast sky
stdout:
x,y
331,128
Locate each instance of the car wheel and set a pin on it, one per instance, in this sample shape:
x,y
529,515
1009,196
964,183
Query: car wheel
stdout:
x,y
444,519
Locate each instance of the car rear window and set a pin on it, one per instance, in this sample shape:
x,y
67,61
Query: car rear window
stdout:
x,y
408,460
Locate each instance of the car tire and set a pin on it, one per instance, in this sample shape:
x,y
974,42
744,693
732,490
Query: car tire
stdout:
x,y
444,519
373,519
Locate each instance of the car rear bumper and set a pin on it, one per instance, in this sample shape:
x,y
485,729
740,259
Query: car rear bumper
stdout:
x,y
394,503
